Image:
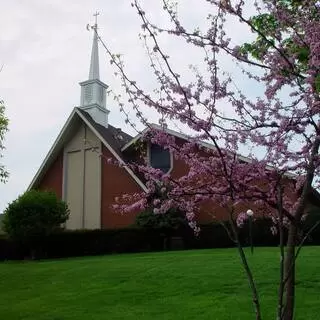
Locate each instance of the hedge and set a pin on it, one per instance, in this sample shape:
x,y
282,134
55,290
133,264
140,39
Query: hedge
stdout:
x,y
97,242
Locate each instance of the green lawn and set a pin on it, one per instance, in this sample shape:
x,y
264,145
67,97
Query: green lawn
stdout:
x,y
203,284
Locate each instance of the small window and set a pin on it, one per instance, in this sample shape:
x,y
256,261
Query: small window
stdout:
x,y
160,158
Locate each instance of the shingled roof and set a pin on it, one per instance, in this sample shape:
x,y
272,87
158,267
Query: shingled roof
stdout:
x,y
114,136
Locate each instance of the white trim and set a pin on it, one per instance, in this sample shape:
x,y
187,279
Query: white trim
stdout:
x,y
169,131
100,187
131,173
212,147
83,155
178,135
136,138
35,178
90,81
187,138
183,136
149,158
64,175
95,105
52,149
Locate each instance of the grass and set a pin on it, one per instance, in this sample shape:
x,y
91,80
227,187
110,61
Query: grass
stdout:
x,y
203,284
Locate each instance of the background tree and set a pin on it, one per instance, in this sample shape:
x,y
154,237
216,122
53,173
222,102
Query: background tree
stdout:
x,y
33,216
168,223
280,128
3,129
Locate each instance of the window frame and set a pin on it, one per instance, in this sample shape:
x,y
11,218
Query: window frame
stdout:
x,y
149,158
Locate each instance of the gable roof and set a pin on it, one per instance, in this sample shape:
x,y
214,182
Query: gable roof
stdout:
x,y
175,134
116,141
314,195
188,138
112,138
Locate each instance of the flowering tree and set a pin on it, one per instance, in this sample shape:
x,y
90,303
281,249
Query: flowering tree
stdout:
x,y
280,128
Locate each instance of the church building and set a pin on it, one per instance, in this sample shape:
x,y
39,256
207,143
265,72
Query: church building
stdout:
x,y
75,167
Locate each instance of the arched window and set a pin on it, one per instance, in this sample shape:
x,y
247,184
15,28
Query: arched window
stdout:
x,y
159,158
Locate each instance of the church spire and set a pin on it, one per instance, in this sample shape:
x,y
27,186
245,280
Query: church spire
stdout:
x,y
94,65
93,91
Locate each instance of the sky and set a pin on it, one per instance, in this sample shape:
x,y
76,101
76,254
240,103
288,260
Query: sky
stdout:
x,y
45,52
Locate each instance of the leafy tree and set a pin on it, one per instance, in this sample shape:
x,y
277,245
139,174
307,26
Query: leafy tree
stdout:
x,y
281,127
33,216
153,218
286,36
3,130
168,222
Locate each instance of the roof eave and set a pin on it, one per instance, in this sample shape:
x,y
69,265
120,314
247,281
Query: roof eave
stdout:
x,y
56,145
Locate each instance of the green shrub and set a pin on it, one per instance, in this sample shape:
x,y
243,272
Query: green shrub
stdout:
x,y
67,243
34,216
170,221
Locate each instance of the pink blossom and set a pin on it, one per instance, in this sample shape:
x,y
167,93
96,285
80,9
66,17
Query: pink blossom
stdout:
x,y
220,116
156,202
241,219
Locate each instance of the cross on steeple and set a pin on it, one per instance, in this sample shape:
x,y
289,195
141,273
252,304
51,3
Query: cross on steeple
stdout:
x,y
96,20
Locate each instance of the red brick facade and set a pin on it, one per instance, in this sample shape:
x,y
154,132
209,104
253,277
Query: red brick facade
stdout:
x,y
52,180
115,181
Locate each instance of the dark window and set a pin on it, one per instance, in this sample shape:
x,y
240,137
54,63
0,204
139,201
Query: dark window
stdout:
x,y
160,158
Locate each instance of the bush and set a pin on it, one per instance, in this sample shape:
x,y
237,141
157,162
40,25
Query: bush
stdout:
x,y
67,243
166,225
64,244
34,216
168,222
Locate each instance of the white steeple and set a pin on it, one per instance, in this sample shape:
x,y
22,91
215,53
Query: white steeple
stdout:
x,y
94,65
93,91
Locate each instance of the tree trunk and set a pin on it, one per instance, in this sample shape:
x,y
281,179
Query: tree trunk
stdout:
x,y
255,296
290,274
